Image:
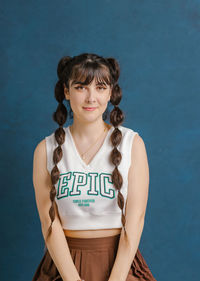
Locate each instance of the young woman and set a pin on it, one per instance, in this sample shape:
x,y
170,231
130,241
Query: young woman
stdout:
x,y
91,180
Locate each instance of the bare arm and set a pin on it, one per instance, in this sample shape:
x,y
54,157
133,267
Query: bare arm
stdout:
x,y
56,244
137,197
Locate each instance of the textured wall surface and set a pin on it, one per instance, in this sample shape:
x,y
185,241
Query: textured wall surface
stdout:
x,y
157,46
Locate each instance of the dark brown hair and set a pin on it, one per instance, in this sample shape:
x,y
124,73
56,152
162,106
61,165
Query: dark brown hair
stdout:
x,y
85,67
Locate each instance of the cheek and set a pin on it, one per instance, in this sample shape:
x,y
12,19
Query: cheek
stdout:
x,y
104,100
76,99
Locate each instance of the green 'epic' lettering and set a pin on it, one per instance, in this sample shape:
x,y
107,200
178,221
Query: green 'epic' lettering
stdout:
x,y
71,184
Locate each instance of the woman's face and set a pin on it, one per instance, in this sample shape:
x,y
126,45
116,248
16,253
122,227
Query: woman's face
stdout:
x,y
88,102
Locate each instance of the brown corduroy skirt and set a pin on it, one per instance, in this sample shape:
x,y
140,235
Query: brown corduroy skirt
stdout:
x,y
94,259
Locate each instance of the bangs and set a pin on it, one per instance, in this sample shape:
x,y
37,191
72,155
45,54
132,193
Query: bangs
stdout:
x,y
84,74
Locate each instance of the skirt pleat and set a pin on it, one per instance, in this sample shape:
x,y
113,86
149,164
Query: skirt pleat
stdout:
x,y
93,259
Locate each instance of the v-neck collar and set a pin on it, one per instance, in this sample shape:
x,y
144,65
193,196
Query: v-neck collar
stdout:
x,y
98,152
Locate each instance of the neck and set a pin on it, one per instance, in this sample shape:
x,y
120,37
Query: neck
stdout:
x,y
89,130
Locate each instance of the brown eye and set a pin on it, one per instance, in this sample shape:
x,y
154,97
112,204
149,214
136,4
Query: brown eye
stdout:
x,y
101,88
78,87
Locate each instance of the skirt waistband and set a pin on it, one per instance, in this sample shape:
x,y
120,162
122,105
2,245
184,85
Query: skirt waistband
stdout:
x,y
96,243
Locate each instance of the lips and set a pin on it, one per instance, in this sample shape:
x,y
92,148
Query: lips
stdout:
x,y
89,108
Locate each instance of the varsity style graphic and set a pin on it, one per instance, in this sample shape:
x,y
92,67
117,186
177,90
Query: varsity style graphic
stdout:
x,y
89,182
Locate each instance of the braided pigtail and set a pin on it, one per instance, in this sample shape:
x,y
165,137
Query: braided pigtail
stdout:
x,y
116,119
59,116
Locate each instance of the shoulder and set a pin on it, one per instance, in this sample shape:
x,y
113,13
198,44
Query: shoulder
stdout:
x,y
40,172
45,145
39,154
138,152
43,153
137,143
42,144
127,131
43,148
133,135
138,147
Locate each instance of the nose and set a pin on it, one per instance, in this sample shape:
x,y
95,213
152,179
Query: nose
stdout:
x,y
91,95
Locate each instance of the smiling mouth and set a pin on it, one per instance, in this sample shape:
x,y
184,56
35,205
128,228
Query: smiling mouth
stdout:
x,y
89,108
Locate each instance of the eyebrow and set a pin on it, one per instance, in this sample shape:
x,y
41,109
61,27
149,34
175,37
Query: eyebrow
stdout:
x,y
79,82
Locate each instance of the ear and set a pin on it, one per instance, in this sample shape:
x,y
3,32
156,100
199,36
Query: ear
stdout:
x,y
66,92
109,95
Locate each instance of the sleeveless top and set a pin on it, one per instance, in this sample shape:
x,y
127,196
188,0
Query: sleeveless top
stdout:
x,y
85,195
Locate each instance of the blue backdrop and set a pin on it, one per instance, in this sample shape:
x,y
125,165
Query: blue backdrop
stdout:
x,y
157,46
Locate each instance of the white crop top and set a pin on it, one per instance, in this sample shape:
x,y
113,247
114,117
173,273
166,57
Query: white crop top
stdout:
x,y
86,197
